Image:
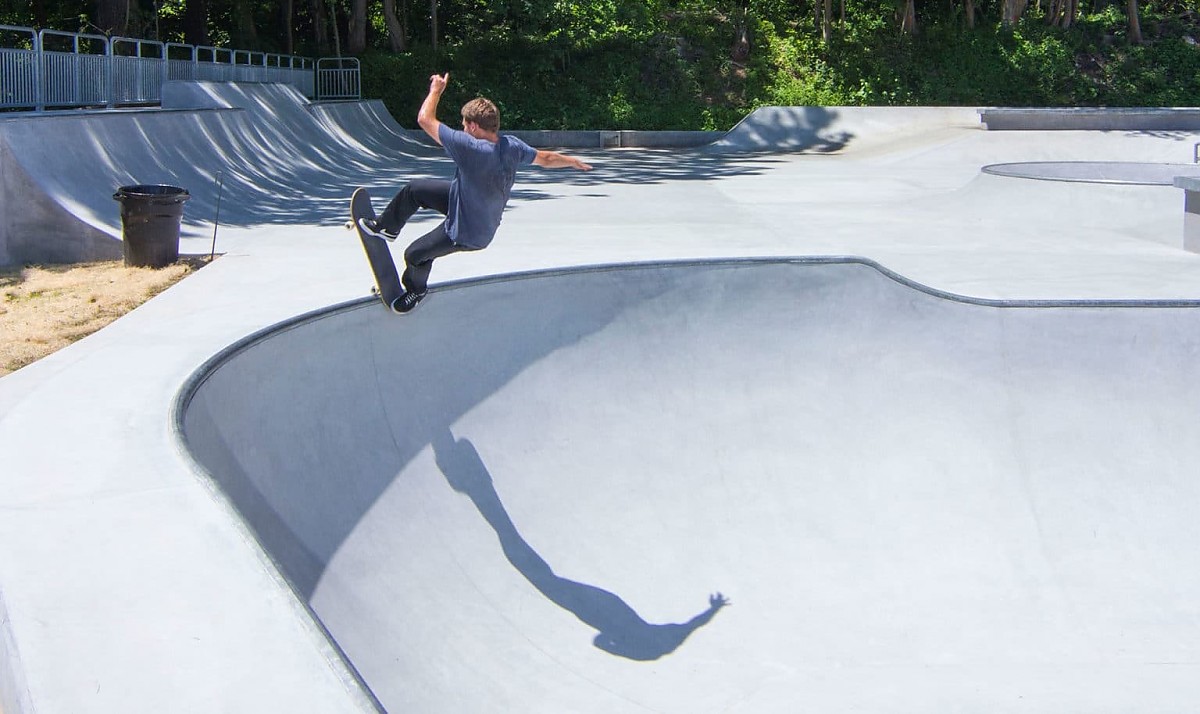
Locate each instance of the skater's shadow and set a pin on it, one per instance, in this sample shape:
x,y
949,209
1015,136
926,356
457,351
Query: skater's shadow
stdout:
x,y
621,631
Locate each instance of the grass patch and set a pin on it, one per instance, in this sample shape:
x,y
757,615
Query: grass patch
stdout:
x,y
47,307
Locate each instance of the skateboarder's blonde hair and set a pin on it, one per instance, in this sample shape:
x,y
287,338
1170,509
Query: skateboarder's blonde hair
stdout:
x,y
482,112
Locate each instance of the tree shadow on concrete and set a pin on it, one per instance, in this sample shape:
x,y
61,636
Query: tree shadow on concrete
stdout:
x,y
280,165
784,129
620,630
279,174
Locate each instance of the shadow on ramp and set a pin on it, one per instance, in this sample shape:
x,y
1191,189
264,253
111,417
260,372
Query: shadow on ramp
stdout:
x,y
775,129
621,631
912,496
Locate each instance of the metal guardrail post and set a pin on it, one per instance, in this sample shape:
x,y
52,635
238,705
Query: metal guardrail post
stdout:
x,y
110,74
113,71
39,90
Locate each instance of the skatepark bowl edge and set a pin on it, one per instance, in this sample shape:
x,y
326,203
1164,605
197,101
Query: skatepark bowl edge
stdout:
x,y
726,486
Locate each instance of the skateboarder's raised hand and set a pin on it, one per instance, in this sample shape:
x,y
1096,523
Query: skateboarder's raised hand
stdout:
x,y
427,116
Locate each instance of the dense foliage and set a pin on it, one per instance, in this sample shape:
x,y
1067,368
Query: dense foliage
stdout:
x,y
695,64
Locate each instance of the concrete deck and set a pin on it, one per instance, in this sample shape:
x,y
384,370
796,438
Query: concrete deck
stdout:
x,y
952,473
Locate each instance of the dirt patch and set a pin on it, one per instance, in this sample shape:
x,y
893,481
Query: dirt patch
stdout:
x,y
44,308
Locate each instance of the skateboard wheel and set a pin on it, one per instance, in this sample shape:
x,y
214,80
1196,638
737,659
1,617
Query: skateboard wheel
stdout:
x,y
348,225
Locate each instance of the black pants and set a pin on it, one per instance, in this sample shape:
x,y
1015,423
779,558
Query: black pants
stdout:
x,y
419,256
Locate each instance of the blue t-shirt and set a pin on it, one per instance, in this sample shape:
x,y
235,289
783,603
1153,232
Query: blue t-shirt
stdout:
x,y
482,183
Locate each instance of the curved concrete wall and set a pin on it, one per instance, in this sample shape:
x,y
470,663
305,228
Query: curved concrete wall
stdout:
x,y
35,227
521,497
351,118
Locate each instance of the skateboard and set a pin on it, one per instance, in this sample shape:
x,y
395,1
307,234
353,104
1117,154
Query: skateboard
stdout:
x,y
387,280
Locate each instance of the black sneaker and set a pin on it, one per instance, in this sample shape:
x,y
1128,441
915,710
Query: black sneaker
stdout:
x,y
407,302
372,228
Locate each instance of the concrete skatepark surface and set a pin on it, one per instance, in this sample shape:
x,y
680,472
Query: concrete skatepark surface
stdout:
x,y
952,471
713,428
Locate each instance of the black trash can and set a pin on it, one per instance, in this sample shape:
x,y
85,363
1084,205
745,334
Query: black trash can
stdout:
x,y
150,219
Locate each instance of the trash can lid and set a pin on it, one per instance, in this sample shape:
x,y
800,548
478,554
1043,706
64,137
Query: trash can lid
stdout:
x,y
152,190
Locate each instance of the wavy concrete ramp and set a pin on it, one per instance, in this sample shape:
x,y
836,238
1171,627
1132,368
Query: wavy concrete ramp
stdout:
x,y
836,129
369,122
354,129
522,497
35,226
271,157
259,147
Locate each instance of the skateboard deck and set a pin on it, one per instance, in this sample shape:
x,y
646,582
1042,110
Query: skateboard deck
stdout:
x,y
387,280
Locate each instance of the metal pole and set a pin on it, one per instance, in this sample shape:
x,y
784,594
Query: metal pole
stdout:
x,y
38,72
216,222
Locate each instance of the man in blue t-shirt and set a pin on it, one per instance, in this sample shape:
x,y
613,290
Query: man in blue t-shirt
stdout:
x,y
473,203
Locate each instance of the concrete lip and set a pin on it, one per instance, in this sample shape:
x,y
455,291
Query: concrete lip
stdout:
x,y
1091,118
1113,172
557,472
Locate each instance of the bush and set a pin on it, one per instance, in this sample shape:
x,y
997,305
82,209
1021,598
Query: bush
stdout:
x,y
677,65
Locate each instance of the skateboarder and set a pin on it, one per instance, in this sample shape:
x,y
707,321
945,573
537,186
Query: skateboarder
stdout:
x,y
473,202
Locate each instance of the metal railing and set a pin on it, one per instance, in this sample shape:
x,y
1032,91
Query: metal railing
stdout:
x,y
74,69
19,67
338,78
138,68
49,69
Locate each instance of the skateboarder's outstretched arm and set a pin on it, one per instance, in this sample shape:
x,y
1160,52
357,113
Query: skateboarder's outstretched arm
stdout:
x,y
427,116
555,160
